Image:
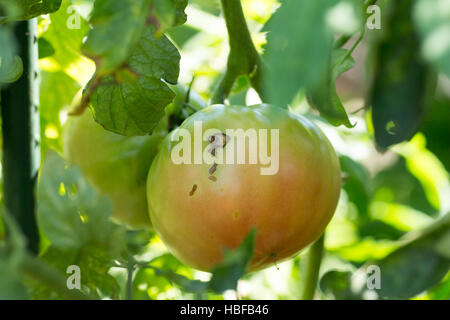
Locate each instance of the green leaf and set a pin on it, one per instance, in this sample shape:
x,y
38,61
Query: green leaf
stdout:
x,y
324,96
442,291
76,221
57,91
128,93
416,266
298,33
403,85
28,9
11,258
71,213
380,230
94,264
225,276
400,186
60,259
66,39
135,108
169,13
186,284
45,48
338,285
432,19
11,71
357,185
11,283
435,127
419,265
117,28
58,215
162,272
180,15
11,66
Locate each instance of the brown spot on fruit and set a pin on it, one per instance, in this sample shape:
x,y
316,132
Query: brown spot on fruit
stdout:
x,y
213,169
212,150
219,140
194,188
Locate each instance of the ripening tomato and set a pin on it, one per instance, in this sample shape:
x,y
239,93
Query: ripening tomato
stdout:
x,y
228,169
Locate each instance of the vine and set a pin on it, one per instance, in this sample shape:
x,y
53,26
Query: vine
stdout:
x,y
243,58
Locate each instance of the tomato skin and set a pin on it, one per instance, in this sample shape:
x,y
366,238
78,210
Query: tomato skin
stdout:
x,y
290,209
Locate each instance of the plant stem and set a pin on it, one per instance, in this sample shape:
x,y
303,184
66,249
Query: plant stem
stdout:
x,y
312,269
20,125
243,57
46,274
130,270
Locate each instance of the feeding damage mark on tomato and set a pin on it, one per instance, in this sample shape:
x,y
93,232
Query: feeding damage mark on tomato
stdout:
x,y
213,169
273,256
219,140
194,188
211,172
236,215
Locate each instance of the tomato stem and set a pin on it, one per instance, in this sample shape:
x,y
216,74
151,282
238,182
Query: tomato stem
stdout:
x,y
243,59
315,255
131,265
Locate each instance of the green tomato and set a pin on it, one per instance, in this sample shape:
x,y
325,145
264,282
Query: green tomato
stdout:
x,y
200,209
114,164
118,165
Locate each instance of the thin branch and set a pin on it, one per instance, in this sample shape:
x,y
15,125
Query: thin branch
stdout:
x,y
243,58
312,271
82,106
343,39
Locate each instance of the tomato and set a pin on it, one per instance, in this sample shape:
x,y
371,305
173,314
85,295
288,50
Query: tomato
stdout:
x,y
117,165
114,164
198,209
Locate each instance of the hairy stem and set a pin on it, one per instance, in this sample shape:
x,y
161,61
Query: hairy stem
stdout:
x,y
312,269
243,57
